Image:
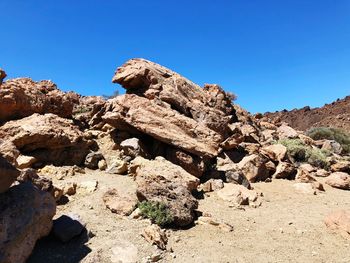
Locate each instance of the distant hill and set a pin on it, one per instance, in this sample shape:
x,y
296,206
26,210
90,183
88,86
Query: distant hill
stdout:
x,y
335,114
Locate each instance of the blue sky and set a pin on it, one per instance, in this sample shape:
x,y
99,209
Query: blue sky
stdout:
x,y
274,54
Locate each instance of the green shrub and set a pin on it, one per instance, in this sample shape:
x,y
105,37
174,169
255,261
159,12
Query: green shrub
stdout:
x,y
296,149
342,137
301,152
157,212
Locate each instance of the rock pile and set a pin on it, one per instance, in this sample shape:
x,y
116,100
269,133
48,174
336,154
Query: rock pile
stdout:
x,y
178,140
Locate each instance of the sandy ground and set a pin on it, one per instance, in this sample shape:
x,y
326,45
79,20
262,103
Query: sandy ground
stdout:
x,y
287,227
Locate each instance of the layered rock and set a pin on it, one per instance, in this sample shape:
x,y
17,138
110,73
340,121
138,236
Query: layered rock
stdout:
x,y
22,97
158,120
26,215
209,106
48,138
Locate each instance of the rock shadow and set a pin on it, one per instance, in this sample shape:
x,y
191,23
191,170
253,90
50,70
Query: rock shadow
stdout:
x,y
51,250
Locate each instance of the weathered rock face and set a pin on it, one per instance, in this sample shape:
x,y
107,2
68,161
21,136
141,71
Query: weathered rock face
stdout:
x,y
210,106
161,181
26,215
48,138
285,170
192,164
162,123
339,180
275,152
339,221
8,174
148,168
87,108
22,97
254,168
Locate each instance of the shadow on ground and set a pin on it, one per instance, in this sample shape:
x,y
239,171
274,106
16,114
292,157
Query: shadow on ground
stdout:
x,y
51,250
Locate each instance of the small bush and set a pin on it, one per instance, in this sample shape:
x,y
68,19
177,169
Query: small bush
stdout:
x,y
301,152
157,212
342,137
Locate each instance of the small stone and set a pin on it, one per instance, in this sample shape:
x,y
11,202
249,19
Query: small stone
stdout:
x,y
87,187
118,167
156,236
67,227
156,257
92,160
25,161
102,165
122,204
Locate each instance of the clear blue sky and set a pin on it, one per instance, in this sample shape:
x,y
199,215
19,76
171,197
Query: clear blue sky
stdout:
x,y
274,54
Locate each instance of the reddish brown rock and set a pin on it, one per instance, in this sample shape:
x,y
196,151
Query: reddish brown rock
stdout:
x,y
285,170
192,164
161,181
22,97
339,221
339,180
156,236
209,106
164,168
254,168
275,152
162,123
8,174
26,215
48,138
121,204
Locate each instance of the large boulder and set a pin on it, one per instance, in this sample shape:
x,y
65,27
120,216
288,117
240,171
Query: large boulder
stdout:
x,y
174,173
275,152
22,97
339,180
339,221
48,138
254,168
161,181
158,120
26,215
8,174
209,106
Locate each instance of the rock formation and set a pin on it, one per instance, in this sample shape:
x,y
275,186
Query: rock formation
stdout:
x,y
22,97
26,215
175,142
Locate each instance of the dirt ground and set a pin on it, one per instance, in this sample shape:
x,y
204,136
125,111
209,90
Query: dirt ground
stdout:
x,y
287,227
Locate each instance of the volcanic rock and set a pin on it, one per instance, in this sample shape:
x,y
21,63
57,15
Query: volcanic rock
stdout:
x,y
26,216
339,180
209,107
48,138
22,97
8,174
162,123
163,182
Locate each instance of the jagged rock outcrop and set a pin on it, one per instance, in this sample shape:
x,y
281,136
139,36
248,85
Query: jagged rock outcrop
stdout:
x,y
209,106
22,97
49,138
26,215
8,174
158,120
335,114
